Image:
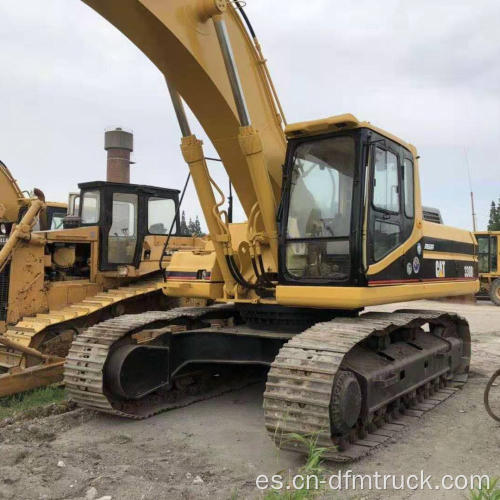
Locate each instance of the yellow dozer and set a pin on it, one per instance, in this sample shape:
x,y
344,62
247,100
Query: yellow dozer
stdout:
x,y
107,260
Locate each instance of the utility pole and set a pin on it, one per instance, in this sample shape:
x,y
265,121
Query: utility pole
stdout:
x,y
474,228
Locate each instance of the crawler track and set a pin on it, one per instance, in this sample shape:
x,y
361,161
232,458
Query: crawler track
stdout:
x,y
30,330
84,368
299,391
298,395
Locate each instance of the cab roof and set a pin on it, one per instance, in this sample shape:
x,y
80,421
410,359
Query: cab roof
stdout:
x,y
127,187
336,124
57,204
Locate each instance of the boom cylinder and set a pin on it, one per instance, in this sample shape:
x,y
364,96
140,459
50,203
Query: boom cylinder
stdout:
x,y
192,151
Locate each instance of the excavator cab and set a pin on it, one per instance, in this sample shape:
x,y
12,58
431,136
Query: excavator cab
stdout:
x,y
126,214
326,180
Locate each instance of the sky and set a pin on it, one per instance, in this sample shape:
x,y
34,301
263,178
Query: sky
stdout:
x,y
426,71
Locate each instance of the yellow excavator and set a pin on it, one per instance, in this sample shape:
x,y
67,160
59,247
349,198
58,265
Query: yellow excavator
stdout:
x,y
335,224
60,273
14,204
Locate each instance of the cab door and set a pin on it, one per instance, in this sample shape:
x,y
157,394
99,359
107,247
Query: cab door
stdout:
x,y
386,227
122,235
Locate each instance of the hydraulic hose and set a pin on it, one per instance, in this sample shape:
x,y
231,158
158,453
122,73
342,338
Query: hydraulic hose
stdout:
x,y
245,18
167,241
263,272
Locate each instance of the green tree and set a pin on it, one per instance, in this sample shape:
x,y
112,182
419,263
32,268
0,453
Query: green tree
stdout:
x,y
194,227
197,227
184,231
494,221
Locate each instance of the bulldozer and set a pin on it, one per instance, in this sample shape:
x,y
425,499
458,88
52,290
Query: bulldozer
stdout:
x,y
105,261
334,224
489,273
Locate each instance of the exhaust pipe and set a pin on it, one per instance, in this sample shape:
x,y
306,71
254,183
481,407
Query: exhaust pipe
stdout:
x,y
119,144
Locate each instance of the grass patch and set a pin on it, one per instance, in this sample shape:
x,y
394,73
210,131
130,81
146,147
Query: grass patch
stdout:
x,y
491,493
18,403
312,472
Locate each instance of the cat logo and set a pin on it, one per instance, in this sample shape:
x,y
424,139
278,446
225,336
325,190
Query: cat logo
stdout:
x,y
440,268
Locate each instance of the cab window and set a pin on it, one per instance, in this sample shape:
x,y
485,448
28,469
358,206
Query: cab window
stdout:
x,y
493,254
90,207
161,214
123,233
484,255
57,221
408,188
387,237
385,181
319,214
386,213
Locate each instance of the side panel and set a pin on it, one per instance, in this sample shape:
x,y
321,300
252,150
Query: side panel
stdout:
x,y
27,282
430,260
356,298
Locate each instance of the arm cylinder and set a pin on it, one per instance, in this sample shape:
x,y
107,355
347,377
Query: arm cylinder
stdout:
x,y
192,151
232,70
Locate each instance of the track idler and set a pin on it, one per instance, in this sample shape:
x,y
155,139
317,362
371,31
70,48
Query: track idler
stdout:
x,y
133,371
345,406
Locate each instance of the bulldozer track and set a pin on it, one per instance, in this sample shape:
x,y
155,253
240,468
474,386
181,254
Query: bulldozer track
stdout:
x,y
83,373
25,331
300,381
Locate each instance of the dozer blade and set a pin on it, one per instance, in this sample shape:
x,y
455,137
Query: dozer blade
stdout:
x,y
31,378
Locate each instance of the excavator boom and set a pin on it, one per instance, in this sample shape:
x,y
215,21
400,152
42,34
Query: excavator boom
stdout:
x,y
180,38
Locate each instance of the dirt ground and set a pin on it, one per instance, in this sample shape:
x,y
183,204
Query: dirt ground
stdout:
x,y
217,448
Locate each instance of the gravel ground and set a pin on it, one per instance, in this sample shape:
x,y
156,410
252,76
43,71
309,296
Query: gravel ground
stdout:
x,y
217,448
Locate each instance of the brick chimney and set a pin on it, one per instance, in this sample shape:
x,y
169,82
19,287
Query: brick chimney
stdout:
x,y
119,144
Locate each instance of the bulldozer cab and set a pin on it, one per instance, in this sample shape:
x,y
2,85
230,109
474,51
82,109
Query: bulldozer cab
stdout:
x,y
126,214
